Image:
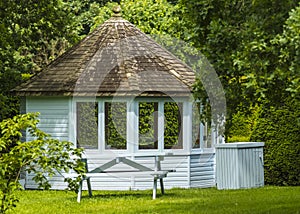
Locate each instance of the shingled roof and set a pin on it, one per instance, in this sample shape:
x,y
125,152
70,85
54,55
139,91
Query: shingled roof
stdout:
x,y
115,59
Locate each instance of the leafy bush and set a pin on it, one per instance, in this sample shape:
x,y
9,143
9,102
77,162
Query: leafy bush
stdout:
x,y
279,128
42,156
242,124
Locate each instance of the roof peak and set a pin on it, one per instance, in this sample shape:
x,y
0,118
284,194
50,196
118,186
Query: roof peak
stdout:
x,y
117,11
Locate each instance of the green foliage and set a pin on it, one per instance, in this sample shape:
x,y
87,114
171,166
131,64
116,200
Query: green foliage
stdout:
x,y
85,11
173,125
41,155
242,125
150,16
148,125
87,125
251,44
288,44
279,128
32,34
115,125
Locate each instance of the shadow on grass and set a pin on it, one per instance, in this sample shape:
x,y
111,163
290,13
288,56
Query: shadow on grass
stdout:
x,y
124,195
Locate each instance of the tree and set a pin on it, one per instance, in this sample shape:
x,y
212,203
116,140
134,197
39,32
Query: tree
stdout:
x,y
32,34
150,16
237,37
278,127
288,45
41,155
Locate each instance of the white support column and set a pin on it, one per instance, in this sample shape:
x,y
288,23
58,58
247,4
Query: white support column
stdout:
x,y
101,126
214,134
72,121
187,126
132,126
161,126
202,134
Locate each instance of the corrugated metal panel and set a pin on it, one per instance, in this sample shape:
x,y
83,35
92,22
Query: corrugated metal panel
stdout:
x,y
202,170
239,165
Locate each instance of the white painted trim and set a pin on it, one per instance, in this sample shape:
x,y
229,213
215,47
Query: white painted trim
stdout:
x,y
132,123
187,126
189,170
161,126
101,126
72,122
130,127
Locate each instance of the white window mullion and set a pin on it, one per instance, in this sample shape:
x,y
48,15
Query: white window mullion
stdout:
x,y
101,126
202,135
131,127
161,126
136,126
187,126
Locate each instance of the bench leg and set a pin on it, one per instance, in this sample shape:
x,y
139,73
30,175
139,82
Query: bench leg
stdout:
x,y
89,186
162,186
154,188
79,191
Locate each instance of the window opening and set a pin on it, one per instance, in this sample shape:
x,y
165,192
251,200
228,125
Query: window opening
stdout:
x,y
87,125
148,125
173,125
115,125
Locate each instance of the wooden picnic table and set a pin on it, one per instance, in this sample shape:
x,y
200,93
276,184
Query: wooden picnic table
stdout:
x,y
156,173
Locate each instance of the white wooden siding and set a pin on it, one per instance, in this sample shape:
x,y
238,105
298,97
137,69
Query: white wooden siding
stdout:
x,y
54,121
54,115
202,170
140,182
201,174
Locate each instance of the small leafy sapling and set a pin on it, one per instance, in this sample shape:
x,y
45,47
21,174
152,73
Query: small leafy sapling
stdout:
x,y
39,154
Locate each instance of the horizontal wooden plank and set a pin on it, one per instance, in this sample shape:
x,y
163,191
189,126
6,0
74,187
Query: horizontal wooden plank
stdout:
x,y
202,173
201,178
201,169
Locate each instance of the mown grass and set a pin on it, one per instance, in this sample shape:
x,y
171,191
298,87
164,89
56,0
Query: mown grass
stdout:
x,y
262,200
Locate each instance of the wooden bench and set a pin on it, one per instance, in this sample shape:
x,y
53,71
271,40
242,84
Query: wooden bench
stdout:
x,y
101,171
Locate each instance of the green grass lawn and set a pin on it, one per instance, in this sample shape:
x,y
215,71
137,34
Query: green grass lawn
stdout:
x,y
262,200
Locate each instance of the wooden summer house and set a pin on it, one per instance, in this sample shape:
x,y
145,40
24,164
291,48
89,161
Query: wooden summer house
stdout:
x,y
119,93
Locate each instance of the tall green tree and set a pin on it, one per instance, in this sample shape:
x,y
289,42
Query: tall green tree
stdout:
x,y
150,16
238,39
288,46
32,34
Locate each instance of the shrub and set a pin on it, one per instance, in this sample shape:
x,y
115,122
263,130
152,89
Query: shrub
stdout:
x,y
242,125
279,128
42,156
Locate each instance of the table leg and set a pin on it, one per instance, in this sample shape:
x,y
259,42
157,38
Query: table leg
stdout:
x,y
89,186
79,191
154,188
162,186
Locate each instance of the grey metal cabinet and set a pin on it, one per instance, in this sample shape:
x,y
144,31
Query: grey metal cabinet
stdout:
x,y
239,165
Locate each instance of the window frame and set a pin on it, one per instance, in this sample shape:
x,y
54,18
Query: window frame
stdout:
x,y
132,121
203,132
